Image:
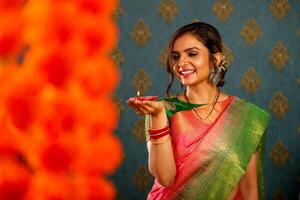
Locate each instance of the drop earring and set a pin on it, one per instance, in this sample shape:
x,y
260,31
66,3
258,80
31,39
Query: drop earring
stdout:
x,y
217,72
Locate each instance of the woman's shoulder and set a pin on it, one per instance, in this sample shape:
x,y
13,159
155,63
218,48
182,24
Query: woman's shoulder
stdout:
x,y
252,106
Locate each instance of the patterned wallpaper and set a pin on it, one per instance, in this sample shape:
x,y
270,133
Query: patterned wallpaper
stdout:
x,y
262,47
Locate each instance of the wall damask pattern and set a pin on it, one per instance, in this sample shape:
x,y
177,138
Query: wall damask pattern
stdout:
x,y
251,81
251,31
279,56
261,46
168,9
141,33
223,9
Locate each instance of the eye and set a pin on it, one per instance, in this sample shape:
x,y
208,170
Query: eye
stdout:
x,y
191,54
175,57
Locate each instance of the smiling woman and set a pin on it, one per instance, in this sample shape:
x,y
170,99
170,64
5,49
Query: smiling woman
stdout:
x,y
192,63
202,143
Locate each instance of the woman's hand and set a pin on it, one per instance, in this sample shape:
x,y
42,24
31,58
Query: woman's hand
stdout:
x,y
146,107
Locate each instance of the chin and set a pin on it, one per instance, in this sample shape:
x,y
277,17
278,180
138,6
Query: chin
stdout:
x,y
188,83
193,82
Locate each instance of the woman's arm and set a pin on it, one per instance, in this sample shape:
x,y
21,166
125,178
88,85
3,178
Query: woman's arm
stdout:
x,y
161,161
248,184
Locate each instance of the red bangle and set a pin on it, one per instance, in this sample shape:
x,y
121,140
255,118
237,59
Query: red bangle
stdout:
x,y
154,137
159,133
155,131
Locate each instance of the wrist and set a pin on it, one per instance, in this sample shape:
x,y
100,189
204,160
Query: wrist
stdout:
x,y
159,113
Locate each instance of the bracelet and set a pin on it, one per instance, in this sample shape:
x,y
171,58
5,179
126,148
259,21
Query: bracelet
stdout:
x,y
160,142
159,130
159,133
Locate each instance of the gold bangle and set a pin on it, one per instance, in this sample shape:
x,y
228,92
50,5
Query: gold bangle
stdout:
x,y
160,142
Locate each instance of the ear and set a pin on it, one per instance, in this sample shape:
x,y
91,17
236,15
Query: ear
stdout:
x,y
218,56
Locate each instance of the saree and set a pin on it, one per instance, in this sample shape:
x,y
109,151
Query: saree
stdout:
x,y
212,158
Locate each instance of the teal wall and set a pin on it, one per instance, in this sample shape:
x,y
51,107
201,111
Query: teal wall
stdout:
x,y
276,88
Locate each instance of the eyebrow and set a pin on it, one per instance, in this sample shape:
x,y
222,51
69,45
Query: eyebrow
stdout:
x,y
186,49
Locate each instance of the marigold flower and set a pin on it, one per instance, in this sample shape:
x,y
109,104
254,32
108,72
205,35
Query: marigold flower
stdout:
x,y
49,186
88,77
15,180
21,102
105,152
10,34
56,67
56,158
98,38
99,188
99,120
56,111
96,7
12,5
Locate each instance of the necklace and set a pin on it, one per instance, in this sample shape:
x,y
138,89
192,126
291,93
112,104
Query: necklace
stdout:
x,y
195,111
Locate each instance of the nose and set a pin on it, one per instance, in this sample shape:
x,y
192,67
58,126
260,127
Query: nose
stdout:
x,y
181,62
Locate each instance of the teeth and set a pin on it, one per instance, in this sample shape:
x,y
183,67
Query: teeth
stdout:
x,y
186,71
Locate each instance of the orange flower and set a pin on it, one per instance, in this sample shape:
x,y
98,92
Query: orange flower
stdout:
x,y
56,158
10,34
49,23
99,188
12,5
97,37
60,122
14,180
96,7
101,155
9,148
21,102
49,186
56,113
21,109
98,120
90,71
56,68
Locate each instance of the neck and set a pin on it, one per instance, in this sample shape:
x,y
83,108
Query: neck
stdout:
x,y
201,94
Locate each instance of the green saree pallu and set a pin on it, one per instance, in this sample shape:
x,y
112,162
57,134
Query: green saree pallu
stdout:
x,y
211,158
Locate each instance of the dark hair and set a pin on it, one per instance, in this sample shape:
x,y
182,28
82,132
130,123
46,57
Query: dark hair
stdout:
x,y
208,36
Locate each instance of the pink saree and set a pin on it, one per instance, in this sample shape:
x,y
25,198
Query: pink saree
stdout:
x,y
212,158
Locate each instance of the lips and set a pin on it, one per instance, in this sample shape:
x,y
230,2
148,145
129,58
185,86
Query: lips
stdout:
x,y
186,72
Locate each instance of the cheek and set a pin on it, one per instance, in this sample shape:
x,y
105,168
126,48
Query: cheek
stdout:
x,y
201,63
175,69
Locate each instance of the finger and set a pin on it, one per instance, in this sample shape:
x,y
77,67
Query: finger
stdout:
x,y
132,105
152,104
148,108
131,100
134,102
138,111
143,111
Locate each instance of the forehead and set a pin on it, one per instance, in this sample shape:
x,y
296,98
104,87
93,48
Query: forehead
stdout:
x,y
187,41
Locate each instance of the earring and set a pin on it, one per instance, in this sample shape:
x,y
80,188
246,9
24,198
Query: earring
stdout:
x,y
217,73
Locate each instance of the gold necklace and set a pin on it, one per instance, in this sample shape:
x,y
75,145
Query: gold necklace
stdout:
x,y
214,104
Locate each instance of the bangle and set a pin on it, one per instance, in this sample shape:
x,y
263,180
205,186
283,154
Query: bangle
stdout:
x,y
159,130
160,142
159,133
157,136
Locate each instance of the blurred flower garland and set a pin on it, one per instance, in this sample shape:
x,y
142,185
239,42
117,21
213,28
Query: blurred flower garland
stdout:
x,y
57,116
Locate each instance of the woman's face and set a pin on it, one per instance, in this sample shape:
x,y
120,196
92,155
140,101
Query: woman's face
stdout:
x,y
191,60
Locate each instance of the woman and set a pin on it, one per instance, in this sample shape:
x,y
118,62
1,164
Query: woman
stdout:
x,y
203,143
